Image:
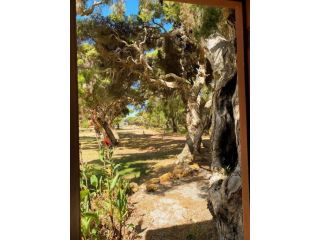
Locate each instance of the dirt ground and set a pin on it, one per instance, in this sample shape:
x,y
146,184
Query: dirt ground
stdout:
x,y
177,209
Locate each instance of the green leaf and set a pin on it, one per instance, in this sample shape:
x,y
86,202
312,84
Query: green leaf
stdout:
x,y
94,181
100,184
115,168
86,219
83,194
130,226
101,155
114,181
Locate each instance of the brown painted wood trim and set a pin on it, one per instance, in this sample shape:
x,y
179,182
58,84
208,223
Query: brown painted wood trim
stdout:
x,y
74,131
214,3
243,121
246,17
242,8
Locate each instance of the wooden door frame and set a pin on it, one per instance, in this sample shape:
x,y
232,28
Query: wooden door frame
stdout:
x,y
242,8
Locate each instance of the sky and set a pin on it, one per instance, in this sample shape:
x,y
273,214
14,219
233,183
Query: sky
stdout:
x,y
133,111
131,8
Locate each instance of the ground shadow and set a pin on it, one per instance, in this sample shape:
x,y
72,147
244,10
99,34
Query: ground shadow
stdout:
x,y
155,155
146,141
202,185
139,166
195,231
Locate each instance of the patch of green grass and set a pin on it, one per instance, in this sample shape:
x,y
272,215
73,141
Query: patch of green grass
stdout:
x,y
136,165
84,123
134,169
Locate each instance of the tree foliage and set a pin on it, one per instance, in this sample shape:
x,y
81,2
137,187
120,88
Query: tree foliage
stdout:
x,y
165,62
162,112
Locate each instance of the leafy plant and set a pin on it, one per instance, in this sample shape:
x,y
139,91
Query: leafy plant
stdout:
x,y
104,199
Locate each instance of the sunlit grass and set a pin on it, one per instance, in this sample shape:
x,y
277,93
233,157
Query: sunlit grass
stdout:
x,y
136,157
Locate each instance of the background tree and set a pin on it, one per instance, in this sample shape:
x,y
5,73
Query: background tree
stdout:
x,y
174,111
101,99
179,60
161,112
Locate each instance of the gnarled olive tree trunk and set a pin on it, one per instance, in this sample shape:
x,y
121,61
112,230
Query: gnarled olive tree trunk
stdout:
x,y
225,204
194,121
109,132
224,198
223,135
225,192
101,124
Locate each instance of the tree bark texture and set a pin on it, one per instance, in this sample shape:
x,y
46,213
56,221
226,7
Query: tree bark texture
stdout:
x,y
224,198
174,125
109,132
194,122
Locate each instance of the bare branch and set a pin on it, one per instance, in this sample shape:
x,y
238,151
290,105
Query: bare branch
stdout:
x,y
133,45
85,12
159,25
175,77
144,40
164,83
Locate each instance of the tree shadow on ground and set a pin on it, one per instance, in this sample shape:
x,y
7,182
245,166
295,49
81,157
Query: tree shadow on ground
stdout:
x,y
154,155
147,141
88,143
139,166
133,171
201,183
194,231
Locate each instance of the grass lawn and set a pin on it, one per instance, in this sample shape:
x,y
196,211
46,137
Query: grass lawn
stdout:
x,y
142,153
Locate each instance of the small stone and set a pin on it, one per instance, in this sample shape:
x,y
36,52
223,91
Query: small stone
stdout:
x,y
154,180
151,187
134,187
166,177
177,173
195,167
186,172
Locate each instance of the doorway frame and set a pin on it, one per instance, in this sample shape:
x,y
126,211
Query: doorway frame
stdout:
x,y
242,11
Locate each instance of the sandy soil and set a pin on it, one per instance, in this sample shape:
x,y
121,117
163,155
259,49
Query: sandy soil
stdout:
x,y
177,211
